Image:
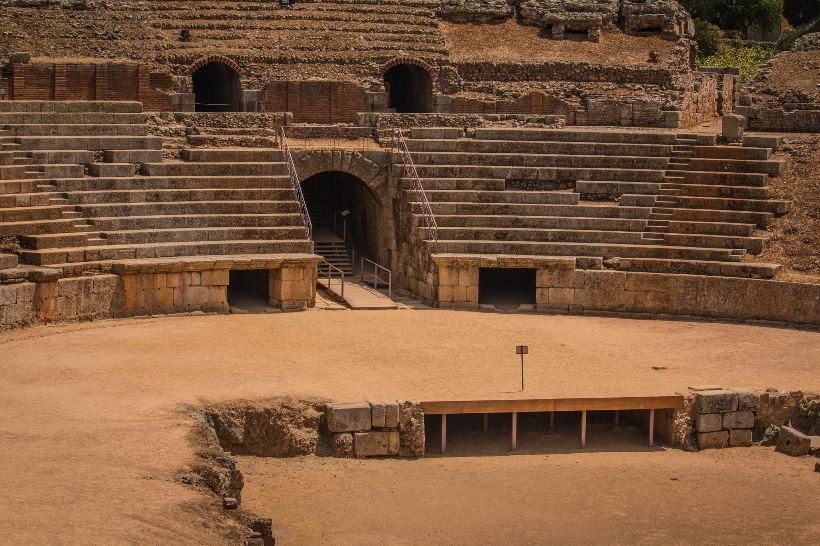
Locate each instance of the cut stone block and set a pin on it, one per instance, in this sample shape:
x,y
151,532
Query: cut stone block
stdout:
x,y
708,422
391,415
341,445
793,442
747,399
733,127
376,443
740,438
717,401
348,417
8,261
738,419
713,440
377,414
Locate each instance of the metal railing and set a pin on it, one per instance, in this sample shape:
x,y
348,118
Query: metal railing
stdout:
x,y
294,181
330,271
375,277
400,147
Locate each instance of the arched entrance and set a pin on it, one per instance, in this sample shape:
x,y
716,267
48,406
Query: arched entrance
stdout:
x,y
217,88
343,209
409,88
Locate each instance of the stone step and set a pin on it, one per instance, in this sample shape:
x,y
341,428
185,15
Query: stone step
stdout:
x,y
724,178
760,219
30,214
730,192
539,160
719,203
189,207
516,210
762,141
232,155
469,145
537,173
57,157
205,234
696,267
489,184
19,172
8,187
54,240
8,261
71,118
175,195
24,200
132,156
574,135
753,245
770,167
710,228
34,227
162,182
214,169
504,197
74,130
584,249
112,169
162,250
218,140
612,189
90,143
732,152
516,234
540,222
199,221
69,106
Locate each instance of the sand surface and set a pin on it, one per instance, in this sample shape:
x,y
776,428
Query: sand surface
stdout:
x,y
92,432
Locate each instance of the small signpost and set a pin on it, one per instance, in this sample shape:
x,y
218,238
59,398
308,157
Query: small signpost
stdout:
x,y
522,350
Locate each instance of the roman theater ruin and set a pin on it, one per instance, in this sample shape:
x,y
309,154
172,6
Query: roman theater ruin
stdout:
x,y
404,271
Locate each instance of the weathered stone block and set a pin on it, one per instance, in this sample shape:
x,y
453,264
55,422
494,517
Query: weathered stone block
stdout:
x,y
713,440
708,422
793,442
348,417
391,415
377,414
718,401
381,443
341,445
215,277
411,430
747,400
738,419
733,127
740,438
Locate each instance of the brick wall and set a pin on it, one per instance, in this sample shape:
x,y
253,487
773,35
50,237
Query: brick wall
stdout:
x,y
86,81
315,102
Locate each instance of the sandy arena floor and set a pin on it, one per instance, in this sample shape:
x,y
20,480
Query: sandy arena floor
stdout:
x,y
92,433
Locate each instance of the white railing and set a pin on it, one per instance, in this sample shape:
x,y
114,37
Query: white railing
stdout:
x,y
294,181
331,270
400,147
375,278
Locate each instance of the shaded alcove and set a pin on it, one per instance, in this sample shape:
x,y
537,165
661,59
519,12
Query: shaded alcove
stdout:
x,y
249,288
343,204
506,287
409,89
217,88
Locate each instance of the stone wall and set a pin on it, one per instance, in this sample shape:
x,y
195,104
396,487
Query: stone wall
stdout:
x,y
711,93
376,429
560,287
725,418
87,81
315,101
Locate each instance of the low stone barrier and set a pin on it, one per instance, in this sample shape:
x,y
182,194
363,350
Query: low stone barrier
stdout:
x,y
376,429
725,418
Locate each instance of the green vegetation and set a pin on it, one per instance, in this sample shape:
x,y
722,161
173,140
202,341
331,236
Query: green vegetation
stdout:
x,y
792,34
708,38
744,54
737,14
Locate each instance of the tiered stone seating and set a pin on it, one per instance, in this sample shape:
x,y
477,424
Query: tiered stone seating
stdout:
x,y
134,204
683,205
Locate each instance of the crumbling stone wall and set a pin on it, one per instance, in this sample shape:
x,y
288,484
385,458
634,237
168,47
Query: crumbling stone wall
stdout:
x,y
711,93
376,429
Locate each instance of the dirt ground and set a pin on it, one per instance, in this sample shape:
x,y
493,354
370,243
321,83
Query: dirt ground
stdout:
x,y
794,237
511,41
93,430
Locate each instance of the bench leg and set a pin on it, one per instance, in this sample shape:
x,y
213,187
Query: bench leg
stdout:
x,y
514,430
651,428
583,429
443,432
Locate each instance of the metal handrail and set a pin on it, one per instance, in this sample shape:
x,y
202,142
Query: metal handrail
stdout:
x,y
376,278
330,269
294,181
400,146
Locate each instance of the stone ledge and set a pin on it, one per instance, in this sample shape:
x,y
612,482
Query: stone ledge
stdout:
x,y
208,263
503,260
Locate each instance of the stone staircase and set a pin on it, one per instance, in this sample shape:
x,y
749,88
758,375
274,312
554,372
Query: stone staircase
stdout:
x,y
103,197
634,200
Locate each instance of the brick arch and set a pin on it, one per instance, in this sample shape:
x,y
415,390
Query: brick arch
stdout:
x,y
430,69
312,162
202,61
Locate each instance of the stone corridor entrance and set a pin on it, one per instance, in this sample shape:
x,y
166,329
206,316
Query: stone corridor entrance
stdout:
x,y
409,88
217,88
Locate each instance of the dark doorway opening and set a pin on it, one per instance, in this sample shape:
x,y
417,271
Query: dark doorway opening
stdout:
x,y
409,89
343,207
217,88
506,288
249,289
